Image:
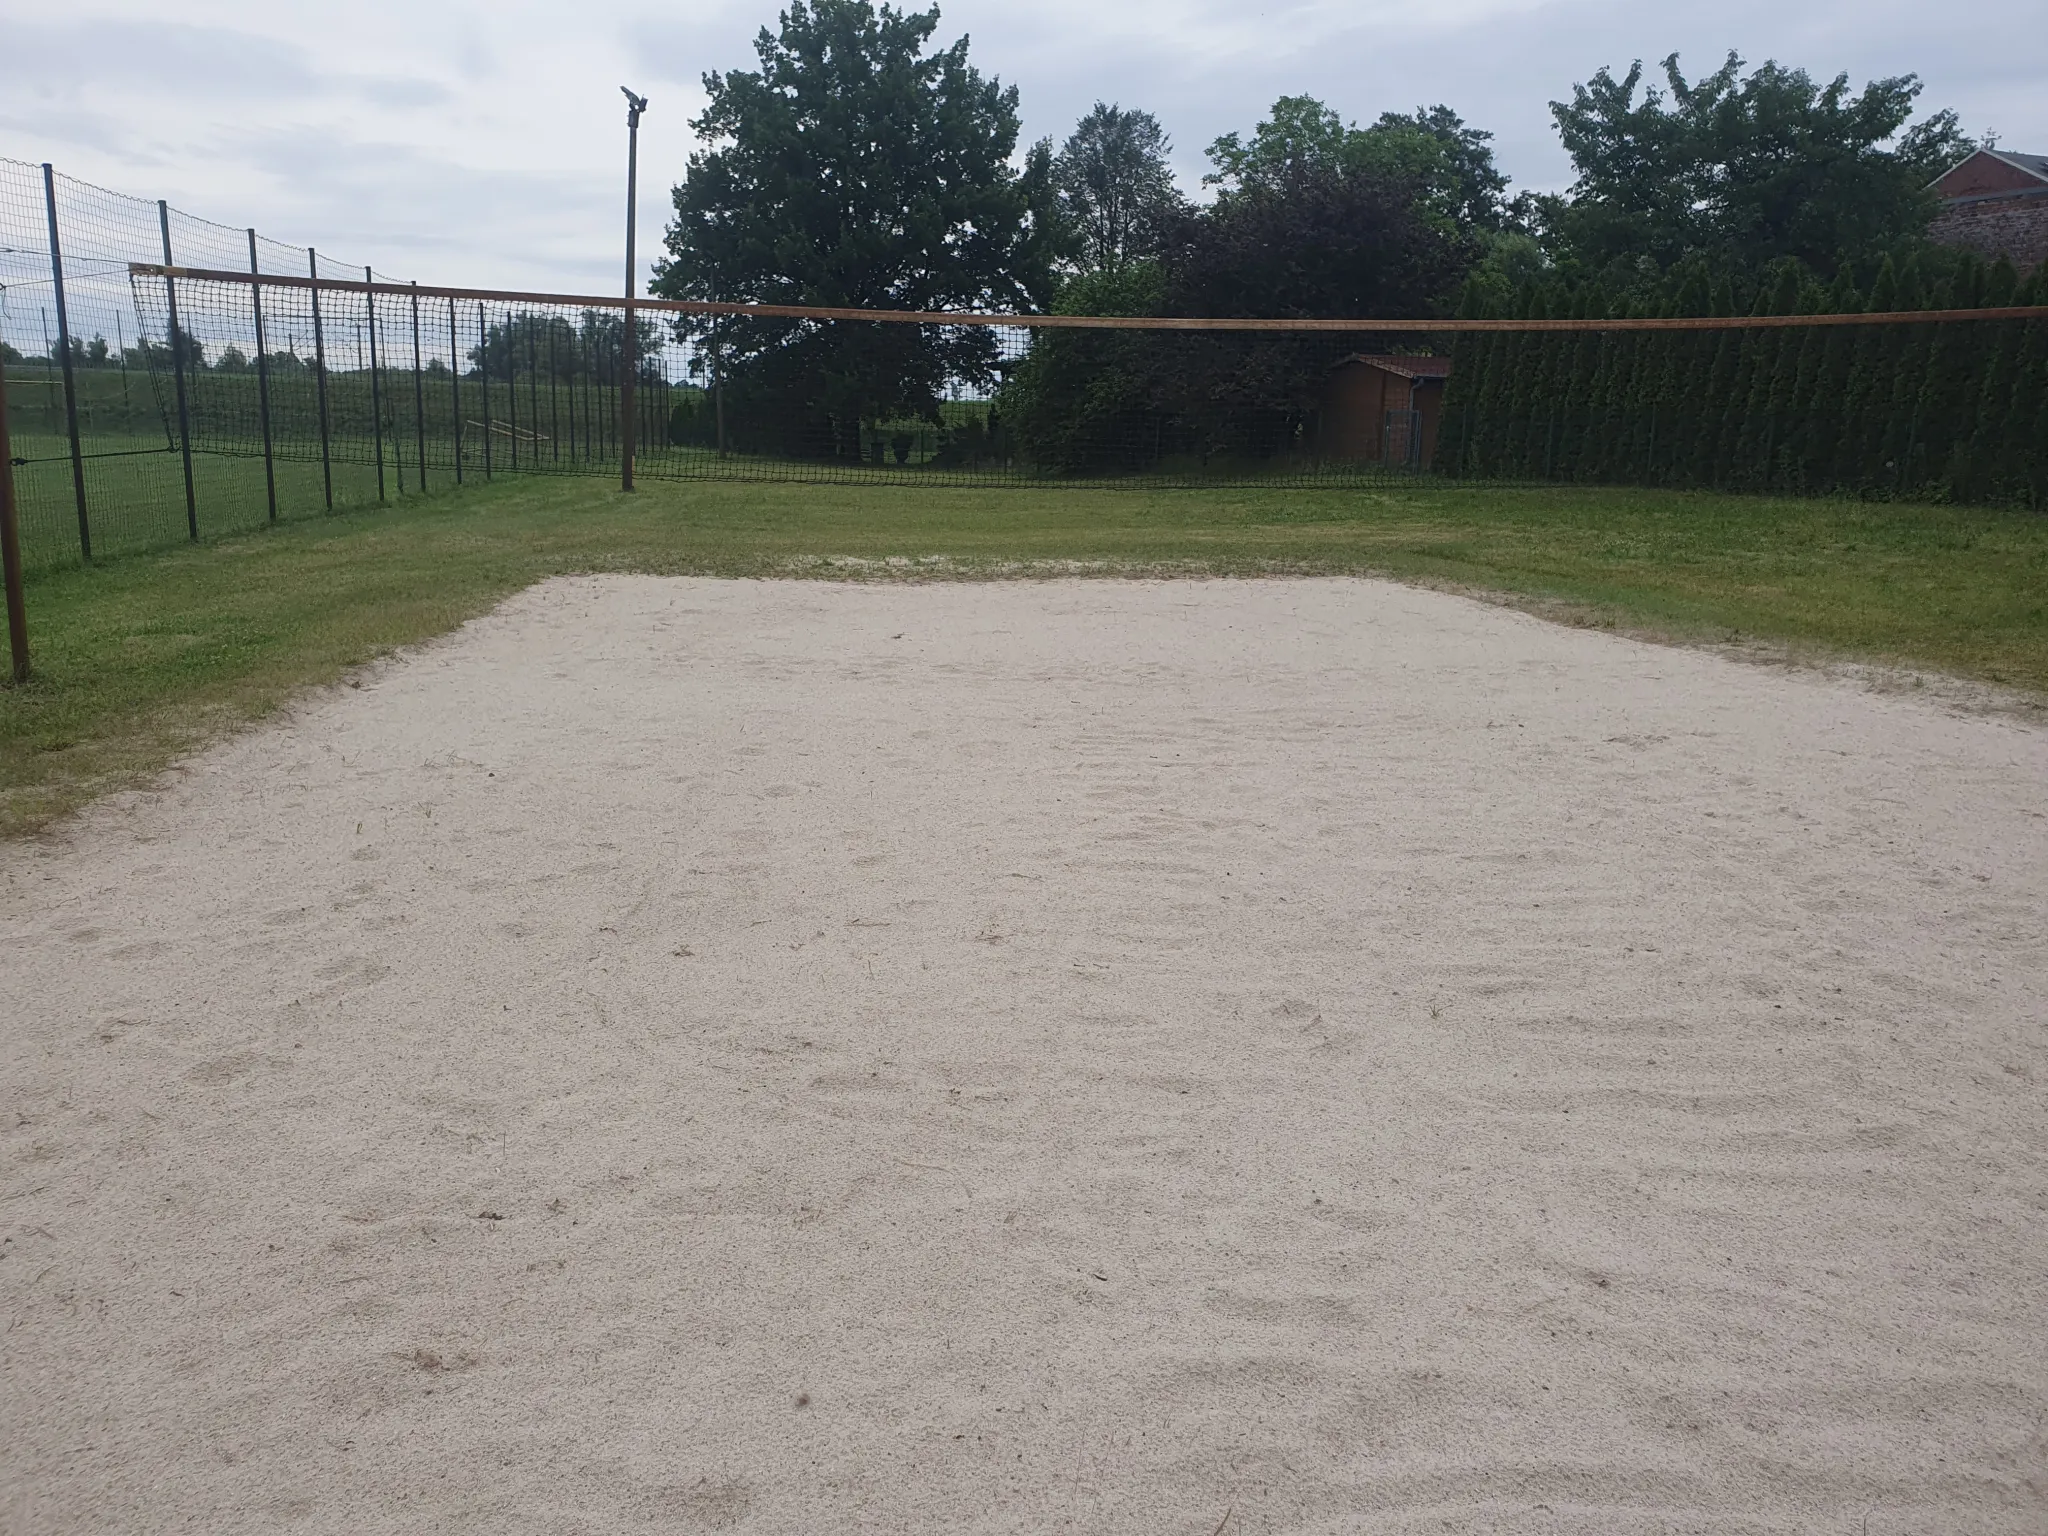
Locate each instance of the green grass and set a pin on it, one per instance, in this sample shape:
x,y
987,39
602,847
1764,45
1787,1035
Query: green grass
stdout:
x,y
147,656
135,495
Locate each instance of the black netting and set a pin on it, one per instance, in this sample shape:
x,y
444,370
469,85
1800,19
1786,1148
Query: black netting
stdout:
x,y
332,387
492,386
128,469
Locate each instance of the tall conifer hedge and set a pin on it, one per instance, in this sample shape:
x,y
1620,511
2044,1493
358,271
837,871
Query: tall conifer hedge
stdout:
x,y
1950,412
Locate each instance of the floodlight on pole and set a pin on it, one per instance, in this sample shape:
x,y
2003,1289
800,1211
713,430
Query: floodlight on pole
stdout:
x,y
635,105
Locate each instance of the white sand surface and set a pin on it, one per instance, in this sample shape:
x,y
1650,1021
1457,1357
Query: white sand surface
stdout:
x,y
1095,1056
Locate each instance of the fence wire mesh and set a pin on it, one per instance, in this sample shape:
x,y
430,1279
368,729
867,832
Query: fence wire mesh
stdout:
x,y
65,251
436,386
1951,406
193,397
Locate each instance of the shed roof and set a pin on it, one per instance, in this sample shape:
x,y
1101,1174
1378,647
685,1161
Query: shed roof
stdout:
x,y
1404,367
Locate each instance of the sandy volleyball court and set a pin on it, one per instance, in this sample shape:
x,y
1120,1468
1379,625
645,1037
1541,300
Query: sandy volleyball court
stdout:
x,y
1094,1056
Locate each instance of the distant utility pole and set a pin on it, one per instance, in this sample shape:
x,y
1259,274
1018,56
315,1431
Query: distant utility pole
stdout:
x,y
635,105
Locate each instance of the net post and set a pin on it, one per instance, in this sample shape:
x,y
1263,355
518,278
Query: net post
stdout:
x,y
64,355
263,384
10,544
626,366
554,405
718,378
376,391
455,386
635,105
320,379
532,393
163,218
419,394
483,371
572,398
512,385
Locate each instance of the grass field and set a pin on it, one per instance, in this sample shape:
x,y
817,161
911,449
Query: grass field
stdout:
x,y
147,656
136,498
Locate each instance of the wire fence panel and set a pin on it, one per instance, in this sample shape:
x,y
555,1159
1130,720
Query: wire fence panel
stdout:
x,y
1942,404
478,388
173,378
85,365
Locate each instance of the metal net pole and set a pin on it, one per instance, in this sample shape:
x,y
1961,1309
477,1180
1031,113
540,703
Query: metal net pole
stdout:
x,y
263,386
376,390
179,353
70,381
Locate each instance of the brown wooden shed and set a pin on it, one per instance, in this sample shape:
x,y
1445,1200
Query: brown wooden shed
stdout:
x,y
1384,409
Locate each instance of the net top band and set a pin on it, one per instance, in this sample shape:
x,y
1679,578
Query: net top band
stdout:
x,y
1090,322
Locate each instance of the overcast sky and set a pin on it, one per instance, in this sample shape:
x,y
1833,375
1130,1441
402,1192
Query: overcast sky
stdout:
x,y
460,142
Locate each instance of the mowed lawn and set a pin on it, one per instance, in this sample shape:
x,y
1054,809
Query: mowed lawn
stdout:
x,y
146,656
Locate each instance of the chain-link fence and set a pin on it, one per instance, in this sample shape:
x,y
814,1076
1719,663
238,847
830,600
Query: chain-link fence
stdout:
x,y
100,468
171,378
457,383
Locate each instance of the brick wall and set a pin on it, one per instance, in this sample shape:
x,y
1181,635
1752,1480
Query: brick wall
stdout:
x,y
2014,226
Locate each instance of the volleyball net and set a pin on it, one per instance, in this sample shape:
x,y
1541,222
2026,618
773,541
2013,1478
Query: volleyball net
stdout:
x,y
279,395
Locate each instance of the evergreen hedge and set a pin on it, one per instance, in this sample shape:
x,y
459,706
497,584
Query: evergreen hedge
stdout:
x,y
1950,412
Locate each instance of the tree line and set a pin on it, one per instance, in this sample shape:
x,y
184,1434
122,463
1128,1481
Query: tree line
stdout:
x,y
518,344
860,166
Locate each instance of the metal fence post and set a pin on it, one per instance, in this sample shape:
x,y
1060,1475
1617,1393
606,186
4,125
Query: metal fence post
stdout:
x,y
419,393
554,405
533,388
262,383
483,368
512,384
455,387
163,218
320,378
571,382
579,410
626,403
718,384
628,340
64,352
10,544
376,391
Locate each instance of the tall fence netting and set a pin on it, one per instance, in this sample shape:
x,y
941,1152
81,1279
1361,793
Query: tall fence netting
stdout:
x,y
128,470
203,404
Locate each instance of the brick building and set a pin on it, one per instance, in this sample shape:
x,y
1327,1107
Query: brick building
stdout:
x,y
1995,203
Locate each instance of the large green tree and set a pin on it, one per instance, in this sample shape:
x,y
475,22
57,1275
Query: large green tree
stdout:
x,y
1449,164
856,168
1116,186
1747,168
1313,240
